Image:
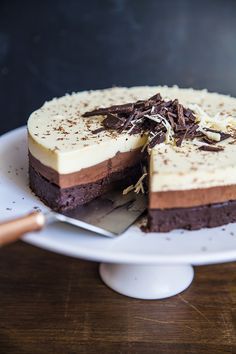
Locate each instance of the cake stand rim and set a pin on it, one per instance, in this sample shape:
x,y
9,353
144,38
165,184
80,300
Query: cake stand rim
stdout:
x,y
125,258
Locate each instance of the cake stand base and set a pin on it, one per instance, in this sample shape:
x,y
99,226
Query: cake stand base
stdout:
x,y
146,282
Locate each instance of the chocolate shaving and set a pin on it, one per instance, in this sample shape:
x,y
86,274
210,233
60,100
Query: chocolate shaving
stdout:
x,y
205,139
180,112
179,140
150,117
156,97
99,130
192,131
112,122
224,136
158,139
130,118
123,108
171,117
211,148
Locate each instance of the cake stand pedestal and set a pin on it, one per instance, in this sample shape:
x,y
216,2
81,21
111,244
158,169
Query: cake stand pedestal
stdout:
x,y
146,281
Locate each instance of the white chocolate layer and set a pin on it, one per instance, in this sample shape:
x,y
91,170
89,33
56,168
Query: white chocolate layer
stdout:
x,y
187,167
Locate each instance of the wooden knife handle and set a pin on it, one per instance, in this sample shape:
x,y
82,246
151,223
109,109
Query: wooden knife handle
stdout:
x,y
12,230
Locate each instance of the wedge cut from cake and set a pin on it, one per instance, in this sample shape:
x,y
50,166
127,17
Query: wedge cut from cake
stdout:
x,y
181,140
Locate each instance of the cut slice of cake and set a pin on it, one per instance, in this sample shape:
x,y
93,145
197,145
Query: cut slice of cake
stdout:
x,y
73,159
191,188
79,149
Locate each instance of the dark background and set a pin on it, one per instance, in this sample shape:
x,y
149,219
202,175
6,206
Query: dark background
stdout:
x,y
48,48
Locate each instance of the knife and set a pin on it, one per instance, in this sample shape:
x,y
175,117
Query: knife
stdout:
x,y
108,215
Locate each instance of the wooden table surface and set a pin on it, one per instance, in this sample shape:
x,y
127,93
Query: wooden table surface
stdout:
x,y
55,304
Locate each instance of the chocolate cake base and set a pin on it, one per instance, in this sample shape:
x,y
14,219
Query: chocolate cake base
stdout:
x,y
60,199
164,220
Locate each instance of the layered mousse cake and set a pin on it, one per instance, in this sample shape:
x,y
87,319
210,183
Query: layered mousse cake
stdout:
x,y
181,142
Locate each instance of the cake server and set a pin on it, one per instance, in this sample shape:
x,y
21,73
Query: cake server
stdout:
x,y
109,215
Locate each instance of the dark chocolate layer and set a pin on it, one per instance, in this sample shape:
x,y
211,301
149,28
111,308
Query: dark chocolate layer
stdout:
x,y
212,215
65,198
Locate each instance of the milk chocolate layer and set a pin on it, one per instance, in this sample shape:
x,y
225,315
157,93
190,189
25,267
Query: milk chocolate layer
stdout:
x,y
87,175
191,198
66,198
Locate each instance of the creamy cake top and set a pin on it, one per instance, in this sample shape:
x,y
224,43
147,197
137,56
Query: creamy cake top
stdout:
x,y
61,138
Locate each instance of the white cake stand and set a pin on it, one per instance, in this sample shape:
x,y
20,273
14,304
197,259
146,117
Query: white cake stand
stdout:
x,y
145,266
